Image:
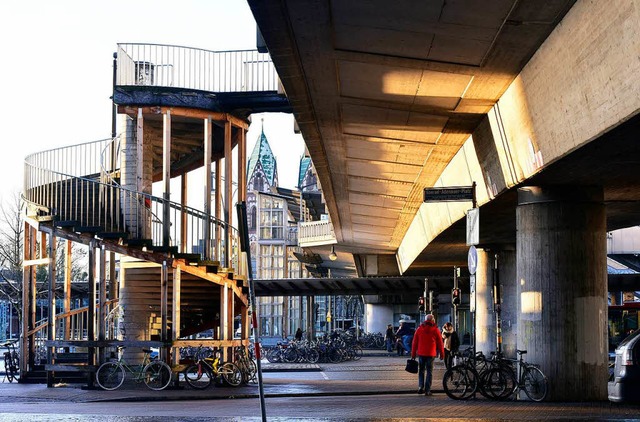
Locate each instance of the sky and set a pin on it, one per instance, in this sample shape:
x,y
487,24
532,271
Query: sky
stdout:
x,y
56,71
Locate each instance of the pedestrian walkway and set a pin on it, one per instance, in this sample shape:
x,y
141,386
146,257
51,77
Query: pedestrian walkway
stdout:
x,y
375,376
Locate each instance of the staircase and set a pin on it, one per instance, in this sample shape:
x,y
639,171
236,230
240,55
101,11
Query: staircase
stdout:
x,y
74,193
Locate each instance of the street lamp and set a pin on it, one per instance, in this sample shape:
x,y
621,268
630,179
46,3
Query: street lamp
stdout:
x,y
332,255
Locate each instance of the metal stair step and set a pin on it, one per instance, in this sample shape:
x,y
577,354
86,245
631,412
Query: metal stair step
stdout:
x,y
113,235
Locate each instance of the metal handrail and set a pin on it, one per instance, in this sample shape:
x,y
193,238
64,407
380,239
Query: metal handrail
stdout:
x,y
55,184
175,66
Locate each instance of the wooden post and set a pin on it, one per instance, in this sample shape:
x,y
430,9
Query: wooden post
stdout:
x,y
139,219
164,293
67,289
51,304
224,315
208,139
166,178
91,311
183,215
102,301
32,300
25,356
175,317
242,165
113,280
218,207
228,166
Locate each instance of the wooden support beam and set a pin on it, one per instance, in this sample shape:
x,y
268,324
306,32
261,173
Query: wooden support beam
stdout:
x,y
208,146
67,287
175,308
183,216
242,165
166,177
228,166
102,300
38,261
218,208
26,296
140,151
164,303
114,288
190,112
32,296
91,311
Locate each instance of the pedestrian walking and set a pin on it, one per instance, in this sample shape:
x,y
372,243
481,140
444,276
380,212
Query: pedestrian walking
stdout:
x,y
298,335
389,338
404,331
427,345
451,343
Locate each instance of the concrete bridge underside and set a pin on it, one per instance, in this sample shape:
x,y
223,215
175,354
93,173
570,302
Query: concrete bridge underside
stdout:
x,y
535,102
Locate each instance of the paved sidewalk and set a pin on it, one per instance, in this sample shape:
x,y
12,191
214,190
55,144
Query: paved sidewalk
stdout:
x,y
375,382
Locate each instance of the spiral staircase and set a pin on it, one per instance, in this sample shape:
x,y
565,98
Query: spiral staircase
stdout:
x,y
184,269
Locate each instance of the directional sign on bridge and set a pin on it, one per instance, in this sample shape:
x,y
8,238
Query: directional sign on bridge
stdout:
x,y
452,193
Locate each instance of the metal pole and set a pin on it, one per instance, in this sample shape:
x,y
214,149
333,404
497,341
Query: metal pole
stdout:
x,y
114,107
455,307
497,306
424,295
244,247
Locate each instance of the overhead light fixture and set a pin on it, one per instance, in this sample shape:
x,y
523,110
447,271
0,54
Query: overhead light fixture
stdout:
x,y
332,255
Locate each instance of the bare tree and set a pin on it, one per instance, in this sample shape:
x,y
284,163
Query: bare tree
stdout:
x,y
11,255
11,251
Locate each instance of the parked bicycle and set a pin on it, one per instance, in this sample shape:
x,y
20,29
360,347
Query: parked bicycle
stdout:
x,y
531,379
209,368
154,373
247,366
468,376
495,378
11,361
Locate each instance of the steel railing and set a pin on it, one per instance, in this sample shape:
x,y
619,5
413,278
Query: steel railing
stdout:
x,y
193,68
72,184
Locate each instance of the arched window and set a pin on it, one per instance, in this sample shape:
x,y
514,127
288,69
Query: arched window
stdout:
x,y
252,218
257,184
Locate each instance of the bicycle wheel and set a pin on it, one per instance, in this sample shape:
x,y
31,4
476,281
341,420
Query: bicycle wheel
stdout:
x,y
273,356
534,383
157,375
230,373
110,375
357,352
456,383
253,371
8,367
499,383
198,376
249,370
313,356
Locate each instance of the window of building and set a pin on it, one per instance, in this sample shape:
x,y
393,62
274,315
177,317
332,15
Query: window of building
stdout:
x,y
252,218
258,183
271,218
271,262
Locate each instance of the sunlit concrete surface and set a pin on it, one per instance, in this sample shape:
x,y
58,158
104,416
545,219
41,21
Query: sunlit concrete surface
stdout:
x,y
375,388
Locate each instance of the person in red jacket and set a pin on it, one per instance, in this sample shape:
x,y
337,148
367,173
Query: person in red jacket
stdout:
x,y
427,344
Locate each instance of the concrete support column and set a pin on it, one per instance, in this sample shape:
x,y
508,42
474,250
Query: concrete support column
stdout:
x,y
378,316
509,305
485,317
562,288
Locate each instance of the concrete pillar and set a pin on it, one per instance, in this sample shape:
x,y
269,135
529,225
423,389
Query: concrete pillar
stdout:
x,y
562,288
485,317
378,316
509,305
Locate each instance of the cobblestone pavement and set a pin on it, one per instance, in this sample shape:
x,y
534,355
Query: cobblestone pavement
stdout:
x,y
374,388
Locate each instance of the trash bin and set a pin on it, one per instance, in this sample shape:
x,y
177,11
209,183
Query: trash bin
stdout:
x,y
144,73
624,387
